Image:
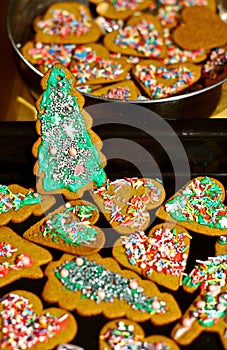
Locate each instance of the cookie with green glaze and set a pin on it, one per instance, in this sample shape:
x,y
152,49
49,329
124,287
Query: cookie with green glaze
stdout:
x,y
94,285
198,206
221,245
68,152
25,324
70,228
18,203
126,333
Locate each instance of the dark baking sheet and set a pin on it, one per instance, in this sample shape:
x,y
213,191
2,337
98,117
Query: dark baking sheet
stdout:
x,y
205,143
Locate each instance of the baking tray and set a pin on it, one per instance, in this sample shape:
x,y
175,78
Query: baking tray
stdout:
x,y
205,144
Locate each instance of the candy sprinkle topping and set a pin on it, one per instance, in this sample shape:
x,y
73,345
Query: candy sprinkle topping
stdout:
x,y
97,283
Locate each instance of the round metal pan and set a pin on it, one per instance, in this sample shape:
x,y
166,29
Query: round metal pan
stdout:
x,y
20,15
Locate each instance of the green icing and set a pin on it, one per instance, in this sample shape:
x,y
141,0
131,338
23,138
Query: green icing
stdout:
x,y
199,202
63,129
65,227
10,200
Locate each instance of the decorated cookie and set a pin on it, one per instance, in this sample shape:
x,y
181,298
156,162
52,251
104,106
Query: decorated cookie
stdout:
x,y
120,9
24,324
19,258
108,25
68,153
92,64
159,81
69,228
66,23
43,56
206,314
142,36
18,203
221,245
125,202
201,28
124,90
160,256
207,273
126,334
198,207
92,285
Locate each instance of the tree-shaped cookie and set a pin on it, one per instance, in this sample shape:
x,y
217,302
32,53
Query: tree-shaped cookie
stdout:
x,y
198,206
25,325
68,151
20,258
70,228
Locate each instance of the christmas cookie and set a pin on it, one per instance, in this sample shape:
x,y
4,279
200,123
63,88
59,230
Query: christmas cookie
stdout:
x,y
92,285
206,314
18,203
43,56
124,90
207,273
68,153
198,207
221,245
142,36
160,256
19,258
201,28
126,334
160,81
25,324
125,202
92,64
69,228
66,23
120,9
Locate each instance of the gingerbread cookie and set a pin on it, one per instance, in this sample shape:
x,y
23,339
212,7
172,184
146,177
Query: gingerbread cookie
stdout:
x,y
160,256
221,245
120,9
205,273
198,207
66,23
125,202
92,64
24,323
68,153
127,334
19,258
124,90
206,314
201,28
92,285
69,228
43,56
160,81
142,36
18,203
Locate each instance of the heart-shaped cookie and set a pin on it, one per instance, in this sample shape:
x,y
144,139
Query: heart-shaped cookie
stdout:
x,y
19,258
123,90
24,323
198,207
142,36
127,334
66,23
159,80
17,203
69,228
160,256
94,285
92,64
206,314
201,28
125,202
